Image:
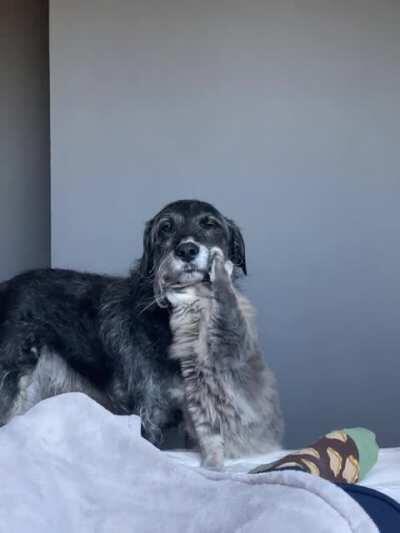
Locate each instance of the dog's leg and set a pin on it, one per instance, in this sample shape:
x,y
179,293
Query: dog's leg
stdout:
x,y
9,391
156,420
143,391
16,395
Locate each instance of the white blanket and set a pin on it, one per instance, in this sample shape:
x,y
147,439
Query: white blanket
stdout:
x,y
70,466
384,476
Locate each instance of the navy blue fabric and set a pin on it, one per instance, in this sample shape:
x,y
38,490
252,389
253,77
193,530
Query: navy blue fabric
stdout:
x,y
382,509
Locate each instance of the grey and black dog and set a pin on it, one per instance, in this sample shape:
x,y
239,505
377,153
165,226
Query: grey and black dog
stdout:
x,y
120,340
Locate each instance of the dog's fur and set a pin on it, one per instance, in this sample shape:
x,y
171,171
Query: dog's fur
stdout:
x,y
63,331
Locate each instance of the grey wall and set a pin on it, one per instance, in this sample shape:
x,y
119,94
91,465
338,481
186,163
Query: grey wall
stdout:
x,y
284,114
24,137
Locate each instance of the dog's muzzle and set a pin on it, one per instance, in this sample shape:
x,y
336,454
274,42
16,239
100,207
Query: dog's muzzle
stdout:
x,y
188,263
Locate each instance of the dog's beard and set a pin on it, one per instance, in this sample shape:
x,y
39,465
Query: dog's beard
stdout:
x,y
174,272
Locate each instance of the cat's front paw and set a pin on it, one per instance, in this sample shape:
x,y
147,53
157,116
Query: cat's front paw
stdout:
x,y
213,460
221,269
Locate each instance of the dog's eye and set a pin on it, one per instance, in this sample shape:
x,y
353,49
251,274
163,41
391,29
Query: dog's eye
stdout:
x,y
208,223
166,226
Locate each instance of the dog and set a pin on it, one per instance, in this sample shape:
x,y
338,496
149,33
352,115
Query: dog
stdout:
x,y
110,337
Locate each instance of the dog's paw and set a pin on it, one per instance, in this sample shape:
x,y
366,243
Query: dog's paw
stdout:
x,y
181,296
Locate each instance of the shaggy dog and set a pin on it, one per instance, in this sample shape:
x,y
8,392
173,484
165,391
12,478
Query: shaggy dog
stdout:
x,y
120,340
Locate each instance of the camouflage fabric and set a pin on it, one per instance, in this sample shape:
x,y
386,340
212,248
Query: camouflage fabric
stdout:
x,y
334,457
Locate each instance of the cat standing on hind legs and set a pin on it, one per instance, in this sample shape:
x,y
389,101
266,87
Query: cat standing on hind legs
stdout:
x,y
231,400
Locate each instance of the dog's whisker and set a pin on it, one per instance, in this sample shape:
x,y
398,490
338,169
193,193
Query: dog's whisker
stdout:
x,y
152,302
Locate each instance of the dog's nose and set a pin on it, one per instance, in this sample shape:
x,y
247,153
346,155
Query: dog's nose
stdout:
x,y
187,251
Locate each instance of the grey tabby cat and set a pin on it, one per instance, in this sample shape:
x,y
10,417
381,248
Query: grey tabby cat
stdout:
x,y
232,404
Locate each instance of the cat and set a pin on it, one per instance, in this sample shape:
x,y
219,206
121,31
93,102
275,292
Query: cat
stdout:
x,y
232,405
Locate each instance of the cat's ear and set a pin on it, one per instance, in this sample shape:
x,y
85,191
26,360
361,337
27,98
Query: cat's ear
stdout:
x,y
237,251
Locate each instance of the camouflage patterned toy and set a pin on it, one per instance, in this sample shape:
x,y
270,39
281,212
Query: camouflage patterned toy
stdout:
x,y
343,456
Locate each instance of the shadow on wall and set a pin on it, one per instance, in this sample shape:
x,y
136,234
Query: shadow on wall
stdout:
x,y
25,143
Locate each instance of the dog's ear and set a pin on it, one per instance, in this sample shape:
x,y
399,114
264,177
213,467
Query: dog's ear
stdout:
x,y
237,251
146,263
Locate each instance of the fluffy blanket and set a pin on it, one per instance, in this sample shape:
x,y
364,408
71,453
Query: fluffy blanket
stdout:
x,y
70,466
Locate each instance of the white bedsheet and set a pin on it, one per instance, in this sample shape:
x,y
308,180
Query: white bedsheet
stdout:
x,y
70,466
384,476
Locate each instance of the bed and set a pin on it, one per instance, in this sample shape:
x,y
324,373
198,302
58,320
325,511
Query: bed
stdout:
x,y
70,466
384,476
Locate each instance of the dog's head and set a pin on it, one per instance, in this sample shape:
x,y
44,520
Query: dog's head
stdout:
x,y
178,240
